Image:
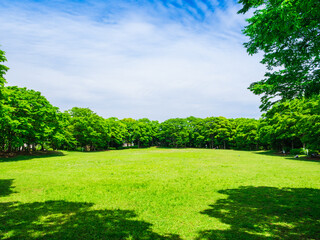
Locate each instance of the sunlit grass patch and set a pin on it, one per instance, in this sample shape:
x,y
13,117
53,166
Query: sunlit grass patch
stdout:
x,y
160,194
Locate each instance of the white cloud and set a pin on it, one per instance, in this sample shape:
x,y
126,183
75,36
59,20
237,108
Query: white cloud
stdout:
x,y
136,66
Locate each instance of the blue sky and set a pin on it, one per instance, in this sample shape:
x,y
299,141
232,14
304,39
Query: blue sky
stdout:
x,y
135,58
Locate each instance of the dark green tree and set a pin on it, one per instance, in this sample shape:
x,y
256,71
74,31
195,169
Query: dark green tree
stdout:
x,y
63,138
29,120
288,32
90,130
292,124
116,132
246,136
144,132
174,132
130,125
3,68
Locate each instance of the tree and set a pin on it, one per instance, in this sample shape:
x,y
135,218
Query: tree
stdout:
x,y
28,119
208,131
88,128
309,122
292,124
288,32
224,131
283,117
3,69
140,132
117,132
130,124
196,139
246,136
174,132
144,132
63,138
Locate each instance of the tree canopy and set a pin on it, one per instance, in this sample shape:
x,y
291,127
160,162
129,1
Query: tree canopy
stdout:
x,y
3,68
288,32
27,119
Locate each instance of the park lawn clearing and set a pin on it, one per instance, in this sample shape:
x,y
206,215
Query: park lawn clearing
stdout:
x,y
159,193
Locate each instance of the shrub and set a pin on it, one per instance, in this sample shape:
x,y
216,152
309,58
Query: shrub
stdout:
x,y
297,151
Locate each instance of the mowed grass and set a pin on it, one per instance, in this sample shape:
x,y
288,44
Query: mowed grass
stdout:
x,y
160,194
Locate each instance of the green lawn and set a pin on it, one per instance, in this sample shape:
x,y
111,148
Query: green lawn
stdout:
x,y
160,194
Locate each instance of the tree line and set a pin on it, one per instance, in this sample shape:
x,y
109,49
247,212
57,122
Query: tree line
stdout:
x,y
30,123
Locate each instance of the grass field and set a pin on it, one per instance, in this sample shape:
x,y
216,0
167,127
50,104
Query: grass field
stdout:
x,y
159,194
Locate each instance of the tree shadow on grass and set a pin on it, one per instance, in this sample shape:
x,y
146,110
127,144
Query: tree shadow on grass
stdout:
x,y
28,156
290,157
6,187
266,213
71,220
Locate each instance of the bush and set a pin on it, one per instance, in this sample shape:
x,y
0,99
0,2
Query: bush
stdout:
x,y
297,151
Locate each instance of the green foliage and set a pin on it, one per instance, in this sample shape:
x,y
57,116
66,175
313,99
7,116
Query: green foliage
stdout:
x,y
27,119
86,126
3,69
288,32
292,124
142,132
246,136
214,132
174,133
93,132
117,132
297,151
64,138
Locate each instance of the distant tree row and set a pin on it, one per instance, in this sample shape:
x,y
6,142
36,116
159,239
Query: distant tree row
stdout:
x,y
28,122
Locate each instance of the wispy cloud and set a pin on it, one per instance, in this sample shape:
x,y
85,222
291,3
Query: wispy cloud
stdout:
x,y
132,59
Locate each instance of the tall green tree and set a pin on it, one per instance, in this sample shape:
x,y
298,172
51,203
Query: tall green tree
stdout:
x,y
292,124
89,129
130,125
283,118
224,131
208,131
144,132
3,111
174,132
63,138
288,32
309,122
246,136
117,132
3,68
28,120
